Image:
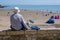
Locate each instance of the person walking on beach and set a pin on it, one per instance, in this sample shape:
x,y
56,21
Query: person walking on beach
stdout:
x,y
17,21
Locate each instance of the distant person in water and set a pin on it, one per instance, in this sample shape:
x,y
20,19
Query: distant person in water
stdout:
x,y
51,20
17,21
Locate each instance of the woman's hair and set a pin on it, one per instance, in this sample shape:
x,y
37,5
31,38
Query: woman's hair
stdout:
x,y
52,16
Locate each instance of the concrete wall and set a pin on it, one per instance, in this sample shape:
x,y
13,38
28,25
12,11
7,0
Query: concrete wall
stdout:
x,y
31,35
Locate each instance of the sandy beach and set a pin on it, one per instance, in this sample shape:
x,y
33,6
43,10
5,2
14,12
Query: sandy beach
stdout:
x,y
38,16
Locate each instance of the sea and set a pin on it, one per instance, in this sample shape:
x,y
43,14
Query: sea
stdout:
x,y
34,7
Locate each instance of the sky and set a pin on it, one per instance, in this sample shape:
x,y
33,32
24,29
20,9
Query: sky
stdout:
x,y
30,2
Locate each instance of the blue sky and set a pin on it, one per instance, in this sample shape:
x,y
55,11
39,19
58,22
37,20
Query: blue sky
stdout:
x,y
30,2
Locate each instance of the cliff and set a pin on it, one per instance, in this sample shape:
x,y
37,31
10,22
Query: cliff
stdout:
x,y
2,6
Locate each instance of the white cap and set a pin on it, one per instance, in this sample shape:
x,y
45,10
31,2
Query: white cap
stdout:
x,y
16,8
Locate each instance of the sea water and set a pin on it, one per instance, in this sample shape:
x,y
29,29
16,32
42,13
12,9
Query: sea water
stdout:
x,y
34,7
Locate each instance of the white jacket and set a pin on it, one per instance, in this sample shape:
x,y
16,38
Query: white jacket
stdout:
x,y
16,20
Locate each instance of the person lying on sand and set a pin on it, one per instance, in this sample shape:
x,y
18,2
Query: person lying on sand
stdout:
x,y
17,21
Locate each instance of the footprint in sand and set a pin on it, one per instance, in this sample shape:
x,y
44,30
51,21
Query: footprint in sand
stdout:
x,y
0,19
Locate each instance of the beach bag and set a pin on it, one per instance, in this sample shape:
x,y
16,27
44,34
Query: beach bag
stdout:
x,y
31,21
56,17
35,27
